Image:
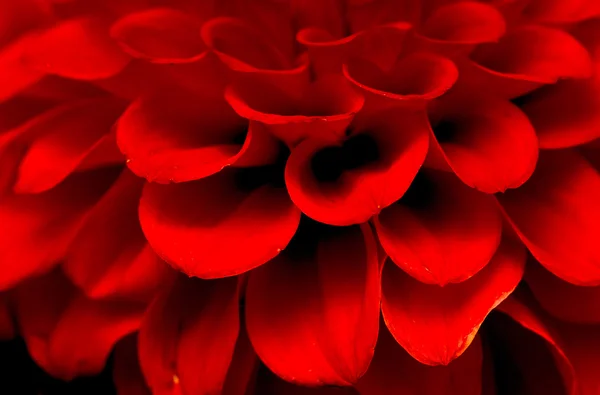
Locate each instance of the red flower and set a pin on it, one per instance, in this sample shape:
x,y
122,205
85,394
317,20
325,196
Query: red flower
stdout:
x,y
306,196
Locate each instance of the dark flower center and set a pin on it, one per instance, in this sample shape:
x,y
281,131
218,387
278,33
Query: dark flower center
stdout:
x,y
329,163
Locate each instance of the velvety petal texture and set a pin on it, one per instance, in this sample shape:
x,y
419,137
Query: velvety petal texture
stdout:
x,y
436,325
313,313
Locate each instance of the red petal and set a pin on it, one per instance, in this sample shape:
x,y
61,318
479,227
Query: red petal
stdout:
x,y
442,231
558,11
188,336
464,22
413,81
565,114
582,346
394,371
328,53
15,77
556,214
324,109
490,144
563,300
127,375
110,258
525,58
78,48
243,46
544,367
437,324
36,230
160,35
60,146
193,225
176,138
312,314
67,334
360,192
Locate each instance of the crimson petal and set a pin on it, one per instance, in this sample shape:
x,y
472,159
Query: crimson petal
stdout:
x,y
393,370
582,348
67,334
394,144
437,324
524,59
490,144
313,312
188,336
192,225
561,299
180,137
456,28
110,257
78,48
160,35
323,110
556,214
557,11
577,103
36,230
441,231
328,53
67,138
15,77
413,81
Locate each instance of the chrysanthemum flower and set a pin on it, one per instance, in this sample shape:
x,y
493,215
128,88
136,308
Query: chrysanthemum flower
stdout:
x,y
303,196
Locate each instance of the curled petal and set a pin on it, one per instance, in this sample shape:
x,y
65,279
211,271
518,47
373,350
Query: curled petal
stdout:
x,y
524,59
576,101
437,324
177,138
67,334
188,337
488,143
556,214
110,257
381,45
192,225
323,110
561,299
413,81
160,35
441,231
463,23
382,156
67,138
251,52
313,313
36,230
242,46
78,48
393,370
